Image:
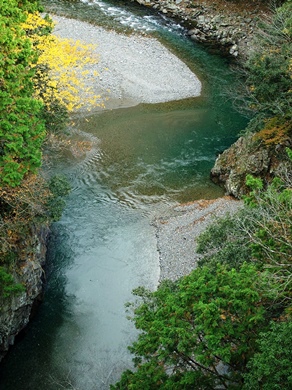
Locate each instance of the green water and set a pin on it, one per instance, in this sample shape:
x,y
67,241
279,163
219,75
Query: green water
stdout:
x,y
146,159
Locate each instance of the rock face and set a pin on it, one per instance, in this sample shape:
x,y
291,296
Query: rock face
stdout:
x,y
248,156
16,311
228,31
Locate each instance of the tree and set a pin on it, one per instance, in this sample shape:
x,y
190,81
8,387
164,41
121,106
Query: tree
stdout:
x,y
269,71
39,80
225,242
198,332
260,233
22,130
61,68
270,368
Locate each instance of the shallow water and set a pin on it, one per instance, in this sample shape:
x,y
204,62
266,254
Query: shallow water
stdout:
x,y
146,159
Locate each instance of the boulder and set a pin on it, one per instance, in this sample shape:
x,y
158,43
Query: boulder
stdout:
x,y
247,156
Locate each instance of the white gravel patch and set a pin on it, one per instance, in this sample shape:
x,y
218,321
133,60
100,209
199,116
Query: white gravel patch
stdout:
x,y
135,69
177,233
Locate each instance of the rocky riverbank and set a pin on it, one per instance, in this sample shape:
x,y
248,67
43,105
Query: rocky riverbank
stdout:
x,y
227,27
177,233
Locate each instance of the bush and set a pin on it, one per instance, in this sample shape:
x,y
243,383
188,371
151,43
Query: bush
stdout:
x,y
8,287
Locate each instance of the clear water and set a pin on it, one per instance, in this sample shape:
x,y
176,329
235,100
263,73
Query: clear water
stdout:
x,y
147,158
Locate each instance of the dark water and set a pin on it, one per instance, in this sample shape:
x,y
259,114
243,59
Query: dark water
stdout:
x,y
147,158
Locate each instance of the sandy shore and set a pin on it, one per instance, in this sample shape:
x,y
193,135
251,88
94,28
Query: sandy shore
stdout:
x,y
135,69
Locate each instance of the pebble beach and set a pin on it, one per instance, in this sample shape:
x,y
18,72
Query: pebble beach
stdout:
x,y
133,68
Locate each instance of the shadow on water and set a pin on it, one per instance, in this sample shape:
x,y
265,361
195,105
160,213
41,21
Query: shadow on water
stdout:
x,y
22,361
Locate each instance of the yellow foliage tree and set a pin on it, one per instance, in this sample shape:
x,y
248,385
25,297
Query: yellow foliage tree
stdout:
x,y
62,67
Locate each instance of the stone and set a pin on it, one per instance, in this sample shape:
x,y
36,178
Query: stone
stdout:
x,y
194,31
233,50
201,19
246,156
171,7
209,19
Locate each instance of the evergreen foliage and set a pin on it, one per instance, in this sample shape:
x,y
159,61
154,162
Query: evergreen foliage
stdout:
x,y
228,322
270,368
198,333
22,129
269,72
40,80
8,286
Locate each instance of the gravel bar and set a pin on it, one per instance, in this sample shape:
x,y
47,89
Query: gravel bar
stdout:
x,y
177,233
132,69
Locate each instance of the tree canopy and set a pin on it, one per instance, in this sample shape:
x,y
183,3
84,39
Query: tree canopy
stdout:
x,y
40,78
22,130
198,331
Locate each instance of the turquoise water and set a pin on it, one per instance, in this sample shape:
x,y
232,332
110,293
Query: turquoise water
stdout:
x,y
145,159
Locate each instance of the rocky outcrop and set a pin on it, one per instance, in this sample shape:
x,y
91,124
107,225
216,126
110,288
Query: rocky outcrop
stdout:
x,y
228,31
248,156
16,311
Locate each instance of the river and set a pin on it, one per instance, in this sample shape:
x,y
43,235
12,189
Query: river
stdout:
x,y
145,159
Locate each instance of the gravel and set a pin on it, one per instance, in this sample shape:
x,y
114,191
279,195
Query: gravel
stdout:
x,y
177,233
135,69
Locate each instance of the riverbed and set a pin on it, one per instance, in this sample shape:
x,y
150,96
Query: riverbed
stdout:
x,y
146,159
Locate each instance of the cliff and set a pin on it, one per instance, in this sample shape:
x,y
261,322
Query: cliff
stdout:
x,y
17,309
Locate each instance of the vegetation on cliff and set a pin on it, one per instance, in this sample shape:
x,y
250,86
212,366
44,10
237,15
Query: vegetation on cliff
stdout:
x,y
228,324
222,325
267,96
40,83
269,72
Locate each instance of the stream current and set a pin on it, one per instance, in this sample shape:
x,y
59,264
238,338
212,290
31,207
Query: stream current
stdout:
x,y
146,159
